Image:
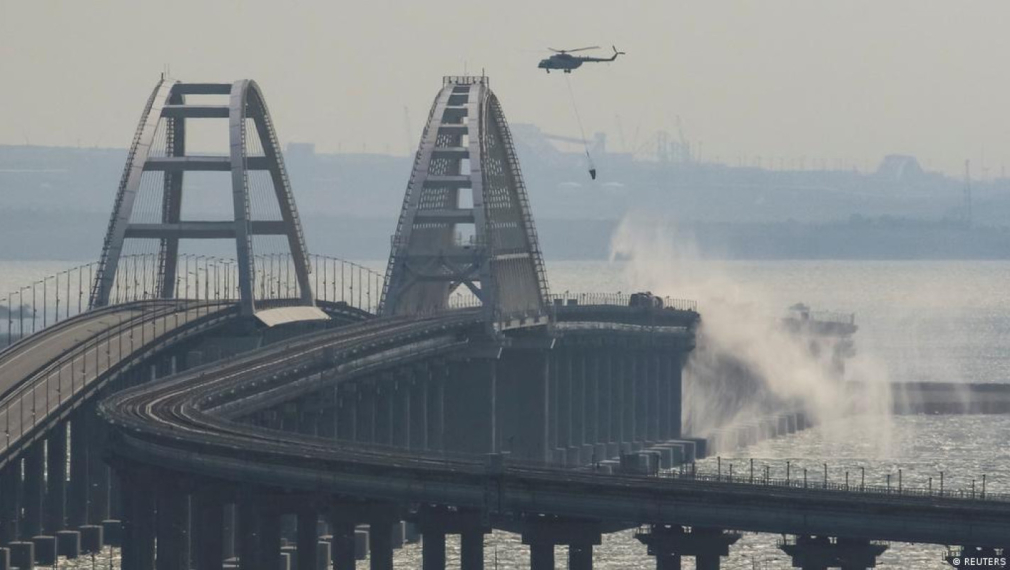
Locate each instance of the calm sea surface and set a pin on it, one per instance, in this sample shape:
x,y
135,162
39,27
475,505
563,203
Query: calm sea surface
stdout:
x,y
923,320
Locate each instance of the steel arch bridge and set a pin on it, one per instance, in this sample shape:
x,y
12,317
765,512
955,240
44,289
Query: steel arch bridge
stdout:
x,y
165,116
487,243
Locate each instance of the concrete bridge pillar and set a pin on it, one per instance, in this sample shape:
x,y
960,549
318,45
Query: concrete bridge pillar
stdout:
x,y
308,410
577,384
542,534
384,416
208,534
347,412
471,552
10,501
524,404
342,545
307,539
139,508
674,381
259,534
664,398
649,372
630,408
580,556
470,406
328,414
553,407
34,491
562,371
435,522
417,395
56,479
364,432
432,549
591,371
342,521
401,428
608,411
380,544
669,543
640,362
439,371
172,526
77,490
541,556
98,471
822,552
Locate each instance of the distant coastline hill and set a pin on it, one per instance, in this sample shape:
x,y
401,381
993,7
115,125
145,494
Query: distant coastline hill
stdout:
x,y
55,203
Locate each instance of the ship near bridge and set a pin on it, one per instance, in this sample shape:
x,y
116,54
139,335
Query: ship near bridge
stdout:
x,y
268,410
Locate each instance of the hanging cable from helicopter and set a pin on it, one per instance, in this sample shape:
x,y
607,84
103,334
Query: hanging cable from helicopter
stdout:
x,y
564,61
582,131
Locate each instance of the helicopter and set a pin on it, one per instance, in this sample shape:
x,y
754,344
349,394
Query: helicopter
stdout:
x,y
563,60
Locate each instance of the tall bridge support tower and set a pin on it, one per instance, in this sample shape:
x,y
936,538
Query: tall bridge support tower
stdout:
x,y
466,219
159,148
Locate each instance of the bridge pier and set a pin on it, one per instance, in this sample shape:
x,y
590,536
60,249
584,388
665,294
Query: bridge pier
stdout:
x,y
98,470
670,543
307,538
401,429
56,479
435,522
577,393
821,552
615,401
364,431
10,501
524,404
470,406
542,534
438,373
208,536
384,417
347,412
341,523
417,403
172,526
591,373
139,524
34,490
79,488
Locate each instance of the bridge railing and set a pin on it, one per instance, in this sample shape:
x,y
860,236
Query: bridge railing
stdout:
x,y
689,471
63,295
27,405
618,299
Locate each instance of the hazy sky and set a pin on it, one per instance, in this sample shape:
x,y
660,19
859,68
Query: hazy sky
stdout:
x,y
843,80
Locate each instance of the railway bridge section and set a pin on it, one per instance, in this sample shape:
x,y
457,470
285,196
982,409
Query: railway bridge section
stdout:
x,y
291,390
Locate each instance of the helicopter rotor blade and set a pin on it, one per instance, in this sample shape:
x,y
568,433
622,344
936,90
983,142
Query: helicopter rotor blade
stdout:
x,y
572,50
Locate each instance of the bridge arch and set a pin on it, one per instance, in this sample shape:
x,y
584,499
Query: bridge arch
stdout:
x,y
164,120
488,246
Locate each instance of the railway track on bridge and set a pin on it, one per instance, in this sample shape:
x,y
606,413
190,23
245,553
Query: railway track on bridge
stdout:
x,y
191,425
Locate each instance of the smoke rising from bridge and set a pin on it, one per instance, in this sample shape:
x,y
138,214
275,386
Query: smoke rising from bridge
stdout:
x,y
747,364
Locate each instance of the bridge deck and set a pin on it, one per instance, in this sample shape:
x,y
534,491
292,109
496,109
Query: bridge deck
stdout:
x,y
42,377
183,424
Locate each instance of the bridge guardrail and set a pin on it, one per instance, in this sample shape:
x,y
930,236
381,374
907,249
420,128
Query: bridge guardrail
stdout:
x,y
618,300
688,472
25,400
62,296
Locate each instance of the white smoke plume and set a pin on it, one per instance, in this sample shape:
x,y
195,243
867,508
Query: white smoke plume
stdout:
x,y
747,364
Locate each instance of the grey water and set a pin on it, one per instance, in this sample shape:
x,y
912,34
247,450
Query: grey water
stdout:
x,y
922,320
